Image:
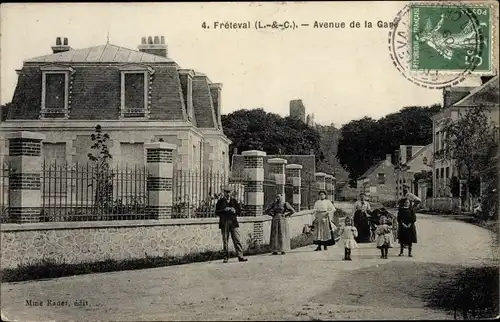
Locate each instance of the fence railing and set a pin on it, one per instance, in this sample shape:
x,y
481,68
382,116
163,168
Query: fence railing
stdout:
x,y
87,192
195,193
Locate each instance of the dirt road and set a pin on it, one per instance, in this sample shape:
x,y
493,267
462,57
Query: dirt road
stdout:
x,y
302,285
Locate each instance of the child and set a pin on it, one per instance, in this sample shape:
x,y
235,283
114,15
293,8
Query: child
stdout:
x,y
384,237
347,234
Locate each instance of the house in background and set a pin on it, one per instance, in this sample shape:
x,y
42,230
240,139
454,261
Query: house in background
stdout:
x,y
456,102
379,181
137,96
411,159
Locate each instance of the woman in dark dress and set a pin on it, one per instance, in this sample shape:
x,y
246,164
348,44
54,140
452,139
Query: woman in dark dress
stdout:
x,y
407,232
361,209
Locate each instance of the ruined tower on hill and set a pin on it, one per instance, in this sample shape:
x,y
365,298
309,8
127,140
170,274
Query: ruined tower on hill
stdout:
x,y
298,110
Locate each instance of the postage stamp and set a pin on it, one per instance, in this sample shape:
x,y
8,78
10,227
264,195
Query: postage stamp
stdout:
x,y
451,37
440,44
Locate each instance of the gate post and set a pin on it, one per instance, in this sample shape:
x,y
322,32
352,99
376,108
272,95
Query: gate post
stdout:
x,y
329,187
159,182
25,172
278,172
294,175
320,181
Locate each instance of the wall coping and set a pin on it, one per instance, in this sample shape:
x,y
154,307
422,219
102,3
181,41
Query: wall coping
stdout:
x,y
320,174
293,166
253,153
160,146
130,223
25,135
277,161
328,176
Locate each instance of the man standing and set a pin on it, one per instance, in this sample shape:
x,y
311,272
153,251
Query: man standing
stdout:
x,y
410,196
228,208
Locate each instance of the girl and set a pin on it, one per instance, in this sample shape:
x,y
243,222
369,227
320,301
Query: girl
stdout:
x,y
348,233
384,237
407,233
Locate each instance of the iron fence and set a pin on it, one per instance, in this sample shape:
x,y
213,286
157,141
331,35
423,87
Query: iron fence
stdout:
x,y
195,193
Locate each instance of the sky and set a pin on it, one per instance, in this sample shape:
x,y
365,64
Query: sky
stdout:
x,y
340,74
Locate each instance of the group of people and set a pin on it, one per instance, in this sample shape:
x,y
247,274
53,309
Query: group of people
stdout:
x,y
354,230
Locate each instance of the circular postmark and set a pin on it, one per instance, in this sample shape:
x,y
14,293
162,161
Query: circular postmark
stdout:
x,y
436,45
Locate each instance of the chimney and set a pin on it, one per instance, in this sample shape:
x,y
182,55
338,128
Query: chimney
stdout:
x,y
388,158
61,47
154,45
215,92
186,78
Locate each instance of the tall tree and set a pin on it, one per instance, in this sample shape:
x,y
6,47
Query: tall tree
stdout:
x,y
329,140
365,140
258,130
468,142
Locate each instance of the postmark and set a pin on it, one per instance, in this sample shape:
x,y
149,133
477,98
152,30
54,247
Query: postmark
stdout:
x,y
436,45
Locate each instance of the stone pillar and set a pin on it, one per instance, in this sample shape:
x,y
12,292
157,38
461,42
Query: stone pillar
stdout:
x,y
320,181
329,187
278,172
159,183
293,173
25,176
254,176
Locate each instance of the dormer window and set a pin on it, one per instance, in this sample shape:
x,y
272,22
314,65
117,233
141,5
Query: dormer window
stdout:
x,y
55,91
135,83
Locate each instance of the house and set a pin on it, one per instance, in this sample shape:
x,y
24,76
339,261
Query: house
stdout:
x,y
379,181
456,102
412,160
136,96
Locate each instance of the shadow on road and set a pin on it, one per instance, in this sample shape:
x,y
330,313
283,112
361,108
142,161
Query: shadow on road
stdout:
x,y
414,285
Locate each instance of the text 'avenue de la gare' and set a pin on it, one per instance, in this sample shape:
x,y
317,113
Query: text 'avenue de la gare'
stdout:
x,y
290,24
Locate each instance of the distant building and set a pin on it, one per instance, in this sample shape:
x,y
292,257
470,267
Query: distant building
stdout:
x,y
456,101
379,181
419,160
298,110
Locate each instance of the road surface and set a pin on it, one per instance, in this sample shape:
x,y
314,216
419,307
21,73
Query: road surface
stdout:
x,y
302,285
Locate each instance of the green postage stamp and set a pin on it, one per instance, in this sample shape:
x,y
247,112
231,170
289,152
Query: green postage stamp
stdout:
x,y
451,37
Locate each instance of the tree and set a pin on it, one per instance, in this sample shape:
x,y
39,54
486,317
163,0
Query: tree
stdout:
x,y
4,111
329,140
103,177
468,142
365,140
258,130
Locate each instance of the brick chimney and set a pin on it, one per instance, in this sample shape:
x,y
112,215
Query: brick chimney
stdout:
x,y
186,78
61,47
215,91
155,46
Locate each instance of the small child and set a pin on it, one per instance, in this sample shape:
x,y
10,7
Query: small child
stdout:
x,y
384,237
347,234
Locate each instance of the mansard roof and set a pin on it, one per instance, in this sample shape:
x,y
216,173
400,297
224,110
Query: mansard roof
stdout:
x,y
486,94
101,54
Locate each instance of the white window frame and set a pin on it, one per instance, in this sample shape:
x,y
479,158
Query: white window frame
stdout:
x,y
55,69
147,71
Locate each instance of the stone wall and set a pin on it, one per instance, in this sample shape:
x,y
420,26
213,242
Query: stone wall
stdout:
x,y
80,242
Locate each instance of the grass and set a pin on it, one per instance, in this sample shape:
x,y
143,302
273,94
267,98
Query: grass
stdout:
x,y
472,293
50,269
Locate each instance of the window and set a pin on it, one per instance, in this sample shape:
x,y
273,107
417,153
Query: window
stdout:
x,y
55,91
437,173
442,173
381,178
447,172
135,91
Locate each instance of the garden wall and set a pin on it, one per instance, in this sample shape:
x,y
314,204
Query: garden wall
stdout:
x,y
84,242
